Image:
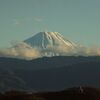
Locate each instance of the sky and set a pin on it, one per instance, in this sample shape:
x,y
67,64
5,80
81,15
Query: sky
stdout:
x,y
77,20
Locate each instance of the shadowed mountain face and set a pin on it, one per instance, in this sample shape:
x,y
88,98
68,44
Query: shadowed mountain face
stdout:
x,y
49,74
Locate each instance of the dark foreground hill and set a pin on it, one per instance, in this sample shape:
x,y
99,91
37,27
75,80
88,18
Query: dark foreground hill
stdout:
x,y
79,93
87,73
49,74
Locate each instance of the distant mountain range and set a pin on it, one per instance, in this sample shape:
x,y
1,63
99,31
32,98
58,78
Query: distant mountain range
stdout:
x,y
49,74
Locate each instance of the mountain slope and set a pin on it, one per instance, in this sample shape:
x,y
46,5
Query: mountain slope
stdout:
x,y
44,39
50,43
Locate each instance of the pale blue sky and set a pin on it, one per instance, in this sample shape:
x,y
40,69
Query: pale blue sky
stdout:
x,y
77,20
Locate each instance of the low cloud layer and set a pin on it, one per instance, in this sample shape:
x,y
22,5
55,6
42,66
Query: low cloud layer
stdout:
x,y
25,51
88,51
21,50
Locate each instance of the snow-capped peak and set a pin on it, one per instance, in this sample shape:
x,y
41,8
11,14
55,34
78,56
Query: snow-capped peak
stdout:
x,y
45,41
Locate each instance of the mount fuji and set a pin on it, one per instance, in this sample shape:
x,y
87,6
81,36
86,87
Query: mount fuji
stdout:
x,y
50,43
47,73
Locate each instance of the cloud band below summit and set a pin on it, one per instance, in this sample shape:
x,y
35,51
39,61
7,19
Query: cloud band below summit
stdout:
x,y
48,44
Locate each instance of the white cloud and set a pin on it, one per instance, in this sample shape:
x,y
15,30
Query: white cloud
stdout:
x,y
78,50
21,50
62,50
25,51
88,51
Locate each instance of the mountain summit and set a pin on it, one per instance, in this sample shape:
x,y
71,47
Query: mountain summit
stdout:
x,y
45,39
50,43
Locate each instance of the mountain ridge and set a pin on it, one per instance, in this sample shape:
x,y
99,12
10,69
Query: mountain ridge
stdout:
x,y
50,73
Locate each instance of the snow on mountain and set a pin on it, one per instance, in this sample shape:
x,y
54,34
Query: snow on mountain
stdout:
x,y
50,43
47,44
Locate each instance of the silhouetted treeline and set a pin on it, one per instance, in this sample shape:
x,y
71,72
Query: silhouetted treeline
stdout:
x,y
77,93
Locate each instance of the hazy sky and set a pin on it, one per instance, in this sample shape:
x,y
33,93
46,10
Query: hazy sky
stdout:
x,y
77,20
